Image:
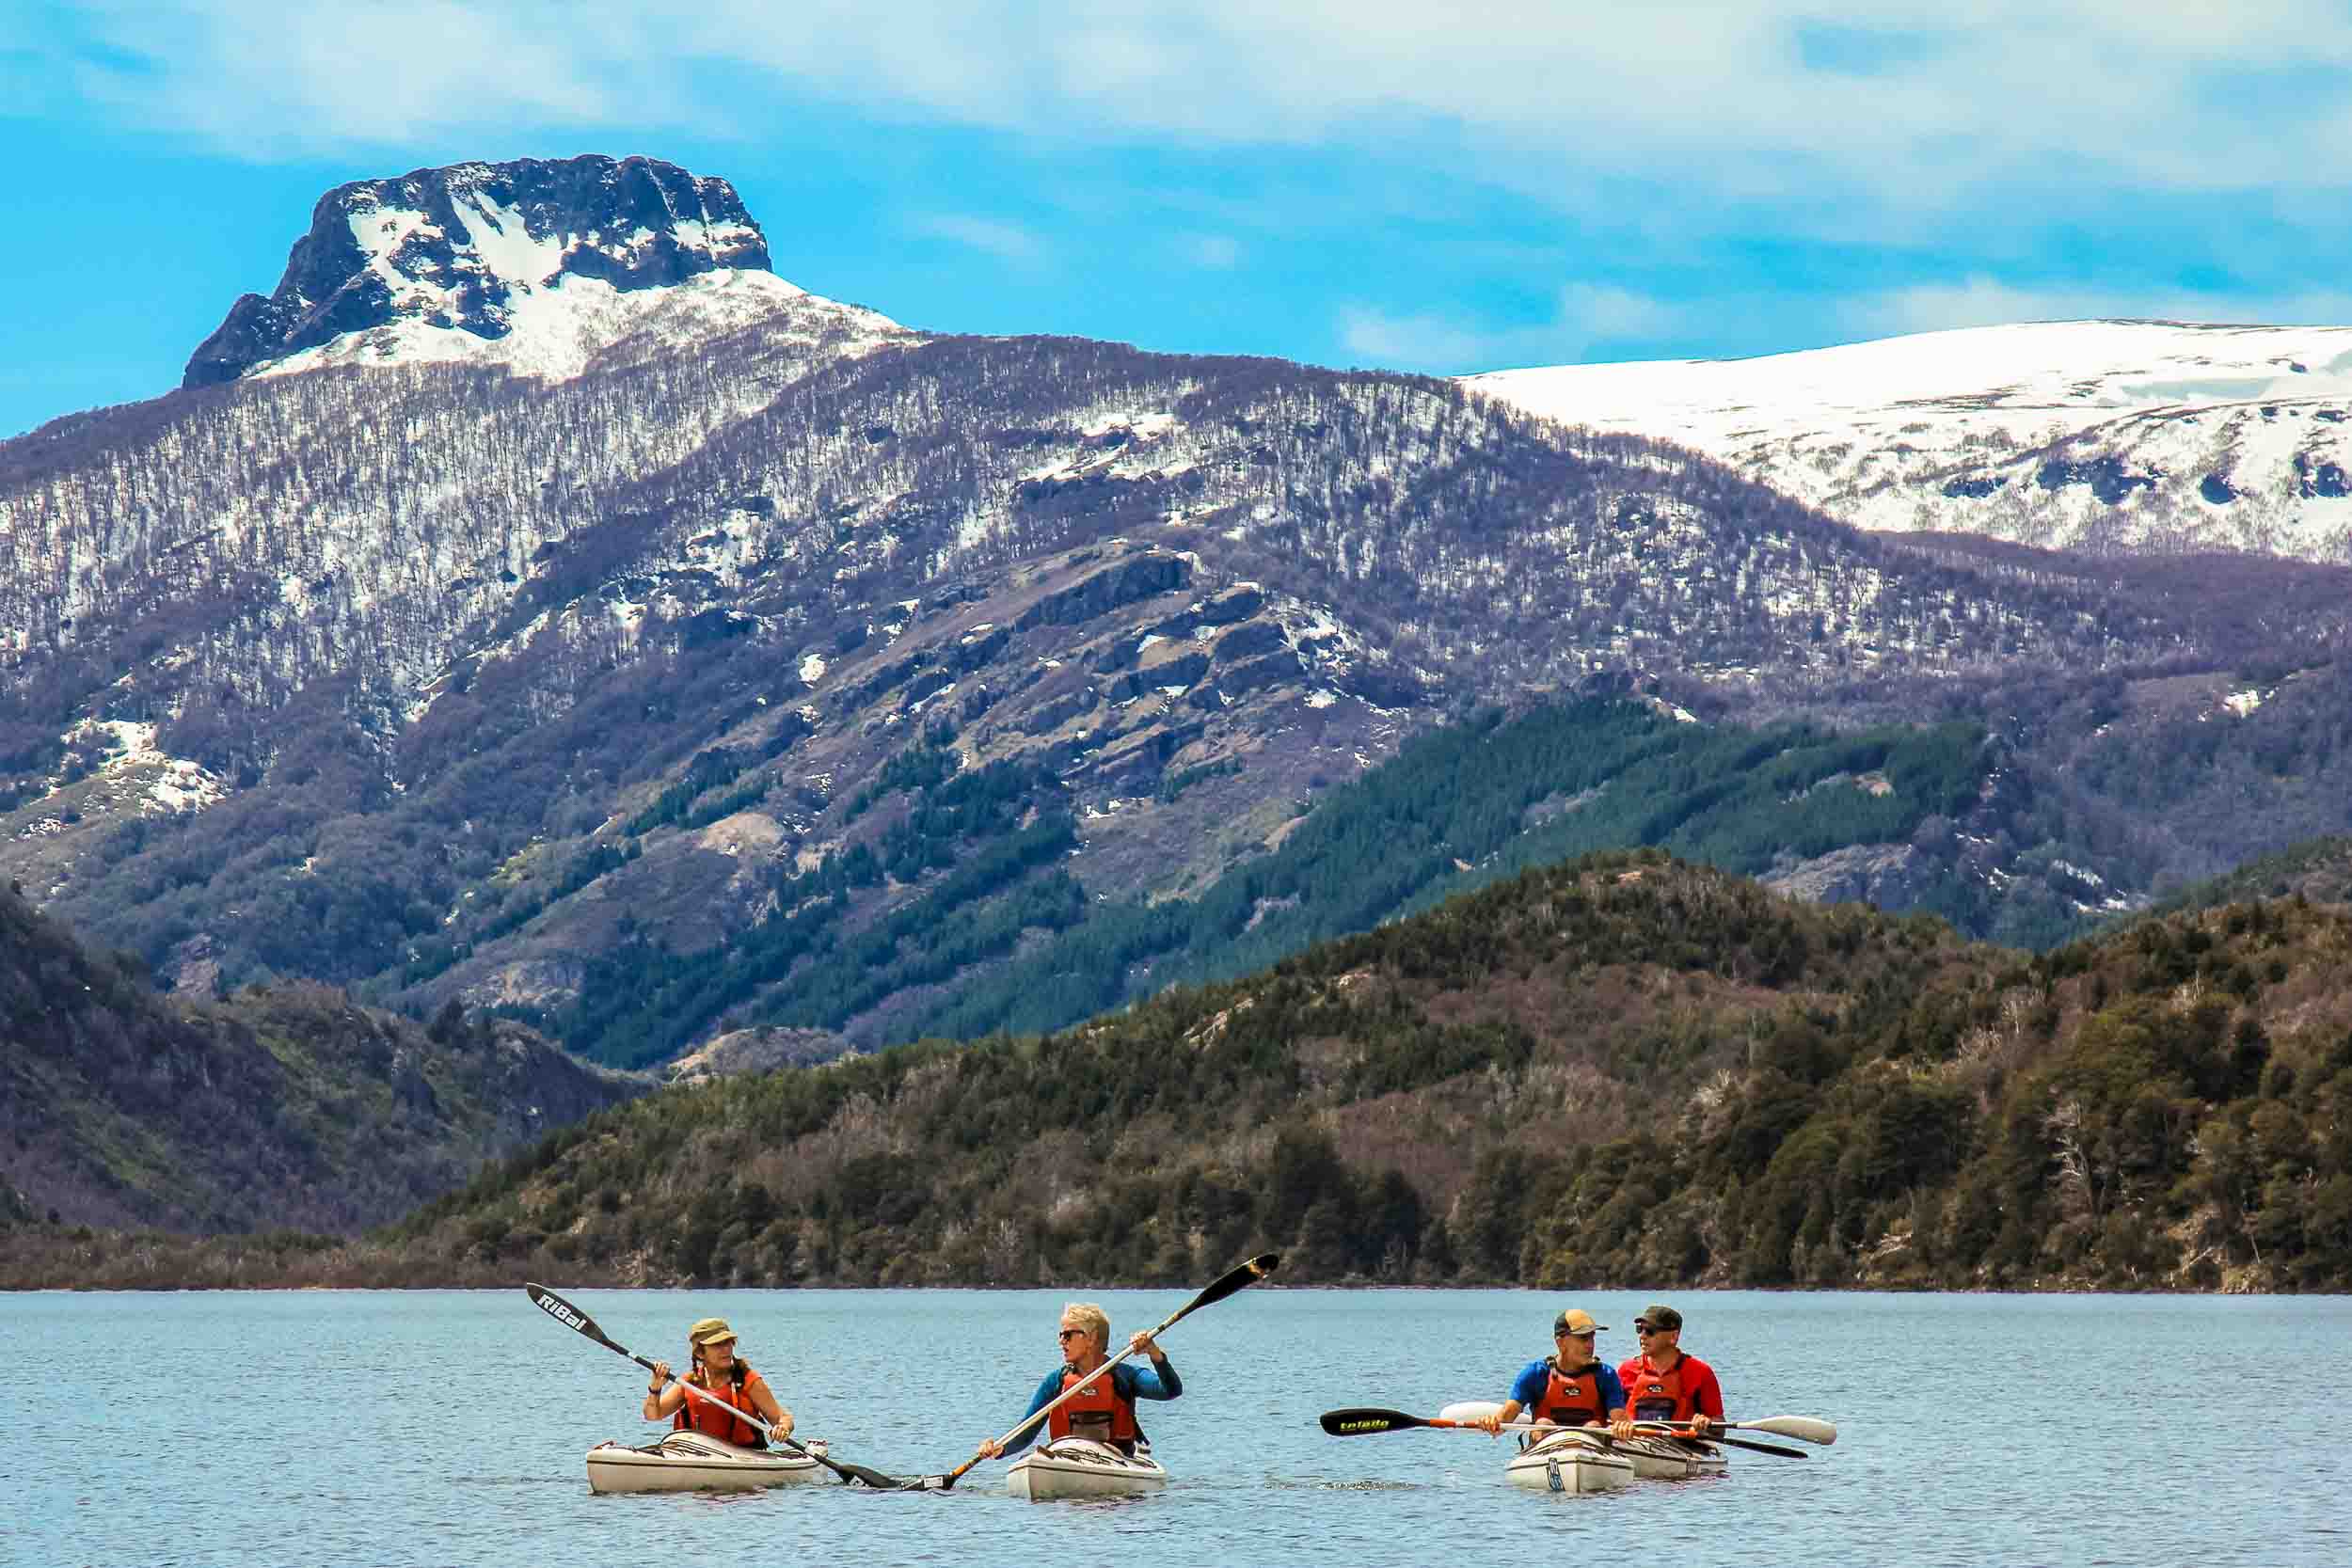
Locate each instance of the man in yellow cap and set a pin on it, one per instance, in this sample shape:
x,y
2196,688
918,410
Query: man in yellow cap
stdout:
x,y
720,1374
1570,1388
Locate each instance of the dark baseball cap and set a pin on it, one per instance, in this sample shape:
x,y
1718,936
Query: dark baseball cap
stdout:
x,y
1659,1315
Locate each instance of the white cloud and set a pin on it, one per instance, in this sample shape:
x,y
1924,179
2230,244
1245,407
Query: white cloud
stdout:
x,y
1007,242
1430,341
1987,302
272,77
1606,313
1592,319
1910,107
1215,252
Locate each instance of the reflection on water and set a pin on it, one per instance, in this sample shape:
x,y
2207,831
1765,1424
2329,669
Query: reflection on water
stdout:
x,y
451,1427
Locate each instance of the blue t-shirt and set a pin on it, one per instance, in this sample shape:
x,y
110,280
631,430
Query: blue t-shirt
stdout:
x,y
1155,1382
1528,1388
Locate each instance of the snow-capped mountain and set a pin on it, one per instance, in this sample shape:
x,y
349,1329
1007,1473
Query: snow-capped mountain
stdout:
x,y
2095,435
534,265
424,648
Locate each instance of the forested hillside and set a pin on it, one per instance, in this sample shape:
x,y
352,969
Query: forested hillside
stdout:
x,y
992,931
279,1107
1625,1071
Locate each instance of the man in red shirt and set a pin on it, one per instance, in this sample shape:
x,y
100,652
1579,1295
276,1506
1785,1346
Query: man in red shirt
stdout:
x,y
1663,1384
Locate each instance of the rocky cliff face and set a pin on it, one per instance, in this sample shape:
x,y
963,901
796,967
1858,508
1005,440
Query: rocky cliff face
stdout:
x,y
480,249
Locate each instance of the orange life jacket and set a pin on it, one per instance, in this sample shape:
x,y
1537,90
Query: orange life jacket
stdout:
x,y
1099,1413
1652,1395
701,1415
1570,1402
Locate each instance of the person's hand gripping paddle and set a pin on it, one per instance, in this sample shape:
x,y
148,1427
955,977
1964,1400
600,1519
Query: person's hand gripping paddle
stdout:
x,y
1241,1276
573,1317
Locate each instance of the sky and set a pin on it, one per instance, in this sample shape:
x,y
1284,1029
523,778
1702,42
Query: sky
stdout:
x,y
1444,188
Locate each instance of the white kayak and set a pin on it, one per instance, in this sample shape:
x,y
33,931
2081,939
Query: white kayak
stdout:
x,y
1654,1457
1670,1459
693,1462
1082,1467
1571,1462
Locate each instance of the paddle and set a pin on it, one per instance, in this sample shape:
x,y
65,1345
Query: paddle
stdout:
x,y
1240,1277
1805,1429
573,1317
1715,1434
1363,1422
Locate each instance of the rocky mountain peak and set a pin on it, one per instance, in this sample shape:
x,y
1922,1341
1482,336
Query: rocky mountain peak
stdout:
x,y
428,265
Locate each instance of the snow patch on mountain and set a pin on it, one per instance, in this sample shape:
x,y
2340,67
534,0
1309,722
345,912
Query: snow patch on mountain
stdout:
x,y
538,266
2129,434
556,333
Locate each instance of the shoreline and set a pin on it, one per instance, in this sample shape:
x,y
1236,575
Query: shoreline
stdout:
x,y
159,1264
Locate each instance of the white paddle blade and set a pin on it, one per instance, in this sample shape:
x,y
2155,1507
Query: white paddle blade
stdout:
x,y
1469,1410
1805,1429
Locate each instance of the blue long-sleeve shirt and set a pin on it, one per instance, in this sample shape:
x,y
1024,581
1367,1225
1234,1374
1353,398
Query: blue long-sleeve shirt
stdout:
x,y
1157,1380
1528,1388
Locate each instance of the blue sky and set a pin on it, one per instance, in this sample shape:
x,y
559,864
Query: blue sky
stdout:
x,y
1345,182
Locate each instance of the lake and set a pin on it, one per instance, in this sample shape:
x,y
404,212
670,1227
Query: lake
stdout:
x,y
449,1427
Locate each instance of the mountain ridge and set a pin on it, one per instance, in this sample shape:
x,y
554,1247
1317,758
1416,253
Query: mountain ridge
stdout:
x,y
437,675
2106,435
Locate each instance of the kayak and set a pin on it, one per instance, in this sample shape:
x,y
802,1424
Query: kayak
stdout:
x,y
1082,1467
1655,1458
691,1461
1571,1462
1670,1459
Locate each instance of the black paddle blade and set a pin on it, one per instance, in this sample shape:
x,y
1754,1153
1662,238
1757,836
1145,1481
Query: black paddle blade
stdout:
x,y
1363,1422
1240,1277
874,1479
566,1314
1759,1447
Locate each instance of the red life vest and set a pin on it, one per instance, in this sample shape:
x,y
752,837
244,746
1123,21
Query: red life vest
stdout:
x,y
1570,1402
701,1415
1652,1395
1100,1412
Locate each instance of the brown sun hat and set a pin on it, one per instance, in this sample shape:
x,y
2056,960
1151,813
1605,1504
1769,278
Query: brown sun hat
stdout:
x,y
710,1331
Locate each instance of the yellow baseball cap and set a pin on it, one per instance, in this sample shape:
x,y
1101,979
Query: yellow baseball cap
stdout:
x,y
1574,1321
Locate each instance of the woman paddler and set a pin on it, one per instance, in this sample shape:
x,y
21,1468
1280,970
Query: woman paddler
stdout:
x,y
1107,1412
718,1373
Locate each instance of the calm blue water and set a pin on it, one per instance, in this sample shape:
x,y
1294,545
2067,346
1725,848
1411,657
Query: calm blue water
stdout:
x,y
427,1428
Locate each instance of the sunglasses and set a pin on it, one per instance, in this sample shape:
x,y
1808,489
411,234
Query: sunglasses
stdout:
x,y
1651,1328
1071,1334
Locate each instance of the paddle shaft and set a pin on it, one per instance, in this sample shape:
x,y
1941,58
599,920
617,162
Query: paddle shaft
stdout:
x,y
1365,1421
1805,1429
572,1317
1715,1434
1047,1409
1232,1280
